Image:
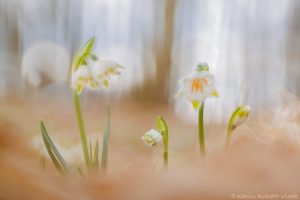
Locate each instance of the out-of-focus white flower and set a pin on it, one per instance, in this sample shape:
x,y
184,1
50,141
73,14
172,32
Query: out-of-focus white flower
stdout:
x,y
103,69
152,137
197,86
239,116
38,63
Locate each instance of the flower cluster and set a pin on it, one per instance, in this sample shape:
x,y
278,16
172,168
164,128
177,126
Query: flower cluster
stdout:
x,y
95,76
196,87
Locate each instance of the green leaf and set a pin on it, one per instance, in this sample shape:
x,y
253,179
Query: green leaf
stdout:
x,y
82,54
91,150
96,159
54,154
163,129
105,141
161,124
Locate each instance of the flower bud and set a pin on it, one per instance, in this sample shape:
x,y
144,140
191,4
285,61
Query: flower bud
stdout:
x,y
202,66
152,137
239,116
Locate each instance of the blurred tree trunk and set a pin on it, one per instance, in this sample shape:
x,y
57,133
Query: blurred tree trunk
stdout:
x,y
293,49
162,47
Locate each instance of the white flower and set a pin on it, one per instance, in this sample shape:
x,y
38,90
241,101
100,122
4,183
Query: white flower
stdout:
x,y
197,86
152,137
83,77
239,116
103,69
95,75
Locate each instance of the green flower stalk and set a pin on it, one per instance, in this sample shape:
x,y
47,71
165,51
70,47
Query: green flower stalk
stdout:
x,y
104,156
93,75
201,130
196,87
153,137
79,62
238,117
81,130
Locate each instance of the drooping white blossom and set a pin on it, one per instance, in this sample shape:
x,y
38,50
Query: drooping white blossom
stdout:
x,y
197,86
83,77
104,69
95,75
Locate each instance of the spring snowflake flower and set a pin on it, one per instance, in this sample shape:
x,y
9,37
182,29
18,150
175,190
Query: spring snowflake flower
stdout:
x,y
197,86
83,77
103,69
152,137
239,116
95,75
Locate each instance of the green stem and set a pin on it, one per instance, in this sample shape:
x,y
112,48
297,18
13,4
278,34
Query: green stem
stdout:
x,y
166,144
105,141
201,130
228,137
166,156
81,129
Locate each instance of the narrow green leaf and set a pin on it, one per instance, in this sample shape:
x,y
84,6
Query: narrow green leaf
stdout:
x,y
161,124
96,159
105,141
52,156
49,144
91,150
89,45
163,129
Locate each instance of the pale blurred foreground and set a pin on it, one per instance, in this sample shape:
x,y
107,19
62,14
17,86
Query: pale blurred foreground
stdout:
x,y
264,158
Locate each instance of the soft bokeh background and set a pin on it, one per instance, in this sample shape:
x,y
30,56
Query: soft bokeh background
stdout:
x,y
252,47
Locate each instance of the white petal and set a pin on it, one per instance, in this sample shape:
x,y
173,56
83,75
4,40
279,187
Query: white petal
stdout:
x,y
198,91
83,71
103,65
